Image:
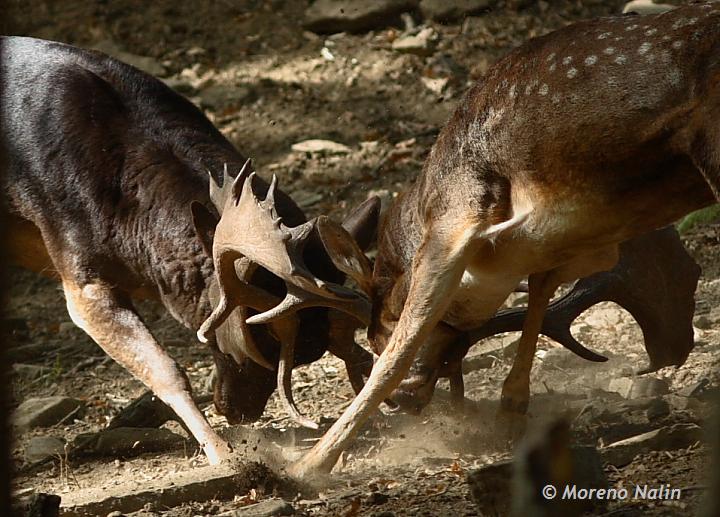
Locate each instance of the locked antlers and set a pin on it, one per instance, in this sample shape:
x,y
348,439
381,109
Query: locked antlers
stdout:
x,y
251,234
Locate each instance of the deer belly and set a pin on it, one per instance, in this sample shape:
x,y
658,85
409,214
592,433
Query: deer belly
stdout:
x,y
478,298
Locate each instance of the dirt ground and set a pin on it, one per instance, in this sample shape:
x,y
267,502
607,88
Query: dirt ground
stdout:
x,y
267,84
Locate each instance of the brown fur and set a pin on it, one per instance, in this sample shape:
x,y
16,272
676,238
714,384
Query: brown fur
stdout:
x,y
573,143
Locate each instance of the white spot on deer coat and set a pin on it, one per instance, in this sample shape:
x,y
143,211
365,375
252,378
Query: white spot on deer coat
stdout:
x,y
604,35
567,60
677,44
590,60
544,89
621,60
650,32
572,73
644,48
609,51
552,67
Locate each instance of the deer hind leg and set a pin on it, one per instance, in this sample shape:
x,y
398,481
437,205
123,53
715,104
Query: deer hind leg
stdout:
x,y
516,388
109,319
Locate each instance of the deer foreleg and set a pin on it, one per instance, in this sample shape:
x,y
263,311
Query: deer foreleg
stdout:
x,y
516,389
108,317
436,273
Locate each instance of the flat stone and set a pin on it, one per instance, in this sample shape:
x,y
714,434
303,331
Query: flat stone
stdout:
x,y
201,484
127,441
646,7
318,146
695,389
490,487
144,63
267,508
28,371
220,96
673,437
330,16
452,10
45,412
423,43
639,387
41,447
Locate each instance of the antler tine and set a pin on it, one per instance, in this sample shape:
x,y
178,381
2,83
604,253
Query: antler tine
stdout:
x,y
244,269
298,298
284,382
270,196
216,193
243,180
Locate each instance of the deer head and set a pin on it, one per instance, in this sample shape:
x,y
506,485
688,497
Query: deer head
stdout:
x,y
270,308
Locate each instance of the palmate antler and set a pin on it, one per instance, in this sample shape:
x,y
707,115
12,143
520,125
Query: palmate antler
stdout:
x,y
654,280
251,234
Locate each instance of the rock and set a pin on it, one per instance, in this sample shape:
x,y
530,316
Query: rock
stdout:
x,y
220,95
44,412
28,371
376,498
490,488
452,10
330,16
703,322
435,84
267,508
673,437
695,389
477,362
144,63
180,85
423,43
646,7
126,441
639,387
145,411
40,447
680,403
317,146
173,489
42,505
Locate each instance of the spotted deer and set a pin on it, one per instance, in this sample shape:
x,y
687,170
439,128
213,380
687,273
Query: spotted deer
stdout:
x,y
573,143
106,188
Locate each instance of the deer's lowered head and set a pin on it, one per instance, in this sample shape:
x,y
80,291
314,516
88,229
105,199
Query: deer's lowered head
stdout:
x,y
267,272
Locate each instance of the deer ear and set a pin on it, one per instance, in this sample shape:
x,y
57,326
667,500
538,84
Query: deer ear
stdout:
x,y
204,222
362,223
344,252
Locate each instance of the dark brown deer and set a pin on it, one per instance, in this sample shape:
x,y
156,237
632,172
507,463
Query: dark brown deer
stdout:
x,y
103,163
573,143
